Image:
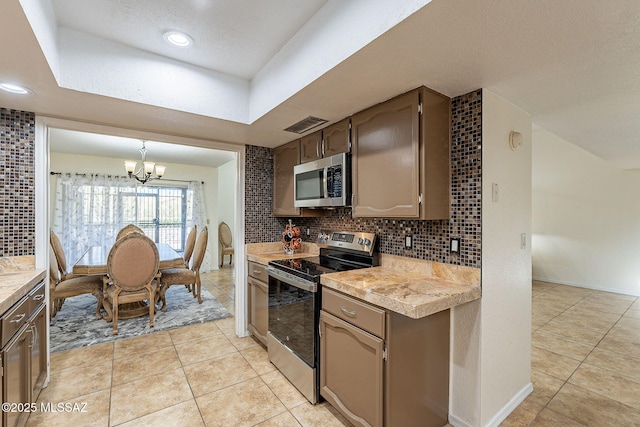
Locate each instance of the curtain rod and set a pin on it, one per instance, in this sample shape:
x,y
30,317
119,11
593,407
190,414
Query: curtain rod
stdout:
x,y
116,176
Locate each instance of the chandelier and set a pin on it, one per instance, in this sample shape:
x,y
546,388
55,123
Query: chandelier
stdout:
x,y
146,171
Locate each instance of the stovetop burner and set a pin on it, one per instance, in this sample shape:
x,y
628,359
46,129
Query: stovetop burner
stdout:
x,y
341,251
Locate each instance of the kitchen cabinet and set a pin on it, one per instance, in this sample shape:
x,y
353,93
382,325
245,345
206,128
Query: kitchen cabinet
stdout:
x,y
400,157
285,158
333,139
24,353
379,368
258,287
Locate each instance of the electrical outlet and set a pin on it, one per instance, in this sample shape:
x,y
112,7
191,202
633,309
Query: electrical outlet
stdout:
x,y
308,232
455,246
408,242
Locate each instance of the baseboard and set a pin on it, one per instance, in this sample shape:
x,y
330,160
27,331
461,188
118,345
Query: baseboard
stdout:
x,y
457,422
510,406
580,285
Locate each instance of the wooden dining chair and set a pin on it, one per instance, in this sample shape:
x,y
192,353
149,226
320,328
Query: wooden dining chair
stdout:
x,y
183,276
128,229
60,289
188,251
132,269
60,257
189,245
224,237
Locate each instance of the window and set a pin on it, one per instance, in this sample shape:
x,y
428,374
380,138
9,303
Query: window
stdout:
x,y
91,209
161,212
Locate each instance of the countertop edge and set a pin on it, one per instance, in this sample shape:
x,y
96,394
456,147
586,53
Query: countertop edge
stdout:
x,y
396,297
15,285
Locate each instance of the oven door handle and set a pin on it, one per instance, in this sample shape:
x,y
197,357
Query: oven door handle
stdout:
x,y
292,280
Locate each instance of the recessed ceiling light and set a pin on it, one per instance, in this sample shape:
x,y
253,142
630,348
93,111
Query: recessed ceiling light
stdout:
x,y
14,88
177,38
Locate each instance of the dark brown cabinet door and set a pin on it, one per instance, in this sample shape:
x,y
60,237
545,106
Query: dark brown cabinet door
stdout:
x,y
38,352
258,309
285,158
311,147
385,159
336,138
16,387
351,370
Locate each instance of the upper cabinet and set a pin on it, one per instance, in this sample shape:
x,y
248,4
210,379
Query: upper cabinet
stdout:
x,y
285,158
400,157
333,139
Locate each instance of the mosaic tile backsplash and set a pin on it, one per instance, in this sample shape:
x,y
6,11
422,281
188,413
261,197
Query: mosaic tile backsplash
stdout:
x,y
260,224
17,183
431,238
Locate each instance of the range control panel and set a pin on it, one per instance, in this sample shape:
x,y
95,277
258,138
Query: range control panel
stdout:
x,y
358,241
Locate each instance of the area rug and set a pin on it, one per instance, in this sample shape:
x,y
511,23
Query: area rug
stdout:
x,y
76,325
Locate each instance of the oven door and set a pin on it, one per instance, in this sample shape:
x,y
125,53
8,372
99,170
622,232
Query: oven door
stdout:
x,y
292,340
293,315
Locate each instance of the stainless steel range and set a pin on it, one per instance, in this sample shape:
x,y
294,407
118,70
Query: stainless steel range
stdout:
x,y
294,303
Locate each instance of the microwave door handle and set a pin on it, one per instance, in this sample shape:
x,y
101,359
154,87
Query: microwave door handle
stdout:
x,y
325,183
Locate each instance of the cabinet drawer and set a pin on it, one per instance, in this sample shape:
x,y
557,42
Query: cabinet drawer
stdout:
x,y
360,314
258,271
36,297
14,318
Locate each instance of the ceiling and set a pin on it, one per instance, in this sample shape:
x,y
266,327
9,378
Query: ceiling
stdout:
x,y
94,144
253,71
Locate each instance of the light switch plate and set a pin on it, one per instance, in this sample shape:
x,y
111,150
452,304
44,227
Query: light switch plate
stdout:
x,y
494,192
455,246
408,242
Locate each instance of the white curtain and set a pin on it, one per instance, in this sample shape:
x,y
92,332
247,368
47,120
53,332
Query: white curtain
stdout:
x,y
197,215
89,211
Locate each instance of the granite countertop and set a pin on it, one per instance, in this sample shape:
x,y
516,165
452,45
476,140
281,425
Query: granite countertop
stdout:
x,y
262,253
412,294
411,287
17,277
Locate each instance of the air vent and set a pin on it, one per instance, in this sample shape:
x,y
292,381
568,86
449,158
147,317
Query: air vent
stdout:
x,y
305,124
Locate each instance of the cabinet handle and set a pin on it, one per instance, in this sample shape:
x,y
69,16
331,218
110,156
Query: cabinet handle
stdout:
x,y
257,271
348,312
317,150
18,318
38,297
34,335
323,148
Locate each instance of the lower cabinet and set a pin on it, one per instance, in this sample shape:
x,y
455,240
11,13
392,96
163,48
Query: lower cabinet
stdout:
x,y
258,292
23,354
380,368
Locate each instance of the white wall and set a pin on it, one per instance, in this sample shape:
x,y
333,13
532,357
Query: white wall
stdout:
x,y
65,162
491,349
585,218
506,264
227,191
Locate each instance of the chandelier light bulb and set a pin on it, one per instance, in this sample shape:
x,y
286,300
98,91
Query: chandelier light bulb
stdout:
x,y
145,173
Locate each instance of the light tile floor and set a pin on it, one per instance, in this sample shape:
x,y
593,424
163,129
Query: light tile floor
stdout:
x,y
199,375
585,371
585,359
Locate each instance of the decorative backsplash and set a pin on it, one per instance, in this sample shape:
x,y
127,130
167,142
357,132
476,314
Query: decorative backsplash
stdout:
x,y
17,183
431,238
260,224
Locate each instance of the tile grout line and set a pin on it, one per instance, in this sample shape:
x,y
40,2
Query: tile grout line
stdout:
x,y
583,361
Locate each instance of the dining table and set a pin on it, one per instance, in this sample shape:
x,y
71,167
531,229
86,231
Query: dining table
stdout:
x,y
94,263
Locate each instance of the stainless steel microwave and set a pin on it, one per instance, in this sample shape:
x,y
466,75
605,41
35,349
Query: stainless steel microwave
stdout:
x,y
323,183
